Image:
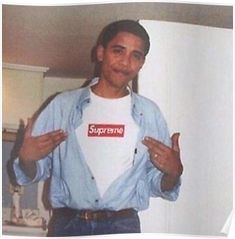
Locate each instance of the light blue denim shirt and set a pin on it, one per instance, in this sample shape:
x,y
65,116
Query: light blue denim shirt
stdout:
x,y
72,182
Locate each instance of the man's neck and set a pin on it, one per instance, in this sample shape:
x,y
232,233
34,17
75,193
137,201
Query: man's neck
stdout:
x,y
107,91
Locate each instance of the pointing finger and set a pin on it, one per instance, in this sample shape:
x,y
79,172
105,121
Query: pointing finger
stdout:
x,y
153,143
51,143
53,136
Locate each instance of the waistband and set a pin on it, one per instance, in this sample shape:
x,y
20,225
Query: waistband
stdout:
x,y
90,215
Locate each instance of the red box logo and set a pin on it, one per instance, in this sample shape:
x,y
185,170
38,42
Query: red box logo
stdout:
x,y
106,130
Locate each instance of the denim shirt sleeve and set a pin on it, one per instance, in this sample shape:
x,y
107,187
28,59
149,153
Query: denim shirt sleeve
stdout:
x,y
154,176
42,125
42,172
154,181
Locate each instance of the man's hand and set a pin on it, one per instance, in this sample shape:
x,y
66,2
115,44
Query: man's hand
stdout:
x,y
166,159
35,148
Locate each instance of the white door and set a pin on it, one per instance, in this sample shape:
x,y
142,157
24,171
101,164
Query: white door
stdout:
x,y
189,73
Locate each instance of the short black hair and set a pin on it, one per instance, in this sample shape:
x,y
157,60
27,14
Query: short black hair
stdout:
x,y
130,26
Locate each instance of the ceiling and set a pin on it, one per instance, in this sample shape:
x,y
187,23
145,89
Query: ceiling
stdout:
x,y
61,37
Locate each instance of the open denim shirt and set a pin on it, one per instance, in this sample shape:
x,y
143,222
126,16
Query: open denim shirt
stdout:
x,y
72,182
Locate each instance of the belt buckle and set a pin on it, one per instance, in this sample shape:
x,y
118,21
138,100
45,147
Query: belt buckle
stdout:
x,y
86,215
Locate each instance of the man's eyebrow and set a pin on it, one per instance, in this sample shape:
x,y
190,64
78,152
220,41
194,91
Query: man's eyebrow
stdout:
x,y
139,52
123,47
117,46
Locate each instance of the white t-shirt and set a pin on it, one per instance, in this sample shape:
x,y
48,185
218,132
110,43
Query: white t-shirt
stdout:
x,y
108,137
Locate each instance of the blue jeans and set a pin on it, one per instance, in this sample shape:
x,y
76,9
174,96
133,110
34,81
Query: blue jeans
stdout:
x,y
74,226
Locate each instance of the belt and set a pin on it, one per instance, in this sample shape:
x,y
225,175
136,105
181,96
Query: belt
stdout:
x,y
90,215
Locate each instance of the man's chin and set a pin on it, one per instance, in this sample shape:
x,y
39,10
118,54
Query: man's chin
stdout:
x,y
122,78
121,82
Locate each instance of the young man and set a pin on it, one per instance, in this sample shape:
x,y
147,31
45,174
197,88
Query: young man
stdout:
x,y
106,149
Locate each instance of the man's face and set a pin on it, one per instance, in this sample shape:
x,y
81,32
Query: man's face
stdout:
x,y
121,59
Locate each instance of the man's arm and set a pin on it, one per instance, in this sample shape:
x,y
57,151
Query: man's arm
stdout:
x,y
166,159
36,148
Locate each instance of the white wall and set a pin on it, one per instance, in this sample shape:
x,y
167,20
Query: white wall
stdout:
x,y
52,85
22,95
25,89
189,73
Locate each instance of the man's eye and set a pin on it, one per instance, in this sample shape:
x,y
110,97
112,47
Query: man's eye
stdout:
x,y
137,56
117,51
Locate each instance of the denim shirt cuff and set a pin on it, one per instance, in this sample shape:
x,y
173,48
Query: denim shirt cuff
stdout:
x,y
172,194
22,178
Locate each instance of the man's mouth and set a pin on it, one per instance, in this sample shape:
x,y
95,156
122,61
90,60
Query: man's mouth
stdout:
x,y
121,72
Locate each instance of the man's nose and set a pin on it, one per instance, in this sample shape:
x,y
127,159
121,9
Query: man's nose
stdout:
x,y
126,60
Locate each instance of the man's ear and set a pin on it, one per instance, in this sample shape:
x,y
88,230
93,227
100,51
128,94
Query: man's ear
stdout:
x,y
100,53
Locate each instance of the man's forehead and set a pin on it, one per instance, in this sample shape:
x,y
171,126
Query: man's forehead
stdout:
x,y
127,39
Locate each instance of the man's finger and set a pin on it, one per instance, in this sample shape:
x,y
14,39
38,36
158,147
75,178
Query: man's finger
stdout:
x,y
175,142
155,159
152,143
52,141
29,128
57,139
45,149
155,151
51,134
